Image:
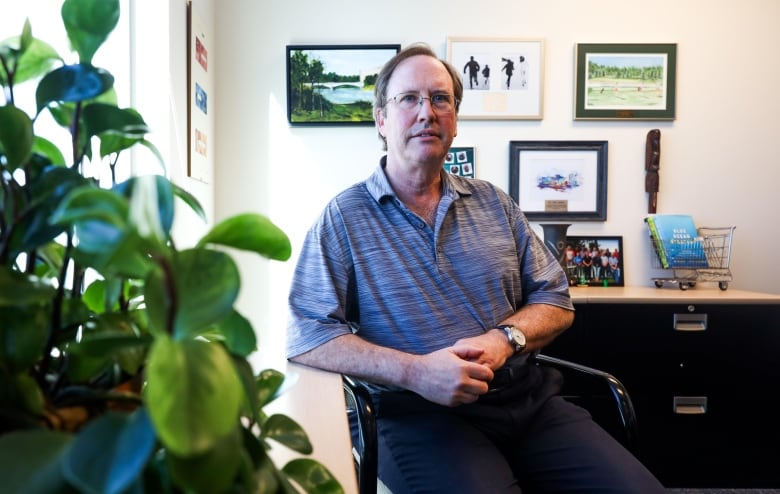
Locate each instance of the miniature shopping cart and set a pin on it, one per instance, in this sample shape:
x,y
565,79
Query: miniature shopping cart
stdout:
x,y
708,260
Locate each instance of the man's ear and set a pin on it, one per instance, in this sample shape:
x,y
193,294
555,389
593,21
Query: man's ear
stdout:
x,y
380,121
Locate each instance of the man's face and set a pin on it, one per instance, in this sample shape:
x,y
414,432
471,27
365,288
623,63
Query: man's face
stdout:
x,y
422,134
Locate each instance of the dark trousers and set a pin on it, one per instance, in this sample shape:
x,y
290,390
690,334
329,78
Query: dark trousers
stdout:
x,y
519,439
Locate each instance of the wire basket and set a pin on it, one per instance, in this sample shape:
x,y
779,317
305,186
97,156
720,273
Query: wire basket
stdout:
x,y
706,258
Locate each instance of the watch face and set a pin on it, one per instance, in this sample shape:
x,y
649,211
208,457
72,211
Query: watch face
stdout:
x,y
518,337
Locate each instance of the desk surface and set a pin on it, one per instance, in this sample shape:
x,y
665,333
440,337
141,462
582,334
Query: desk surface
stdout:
x,y
668,295
316,401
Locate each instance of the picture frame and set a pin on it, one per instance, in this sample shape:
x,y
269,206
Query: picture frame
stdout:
x,y
595,261
635,81
343,93
200,109
559,180
513,86
460,161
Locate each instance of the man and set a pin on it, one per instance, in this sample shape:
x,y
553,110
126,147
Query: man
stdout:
x,y
435,289
473,67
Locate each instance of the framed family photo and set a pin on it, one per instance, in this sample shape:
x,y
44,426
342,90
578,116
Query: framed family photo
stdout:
x,y
503,78
334,84
595,261
559,180
625,81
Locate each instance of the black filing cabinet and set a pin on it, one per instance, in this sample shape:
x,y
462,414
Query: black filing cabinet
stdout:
x,y
704,379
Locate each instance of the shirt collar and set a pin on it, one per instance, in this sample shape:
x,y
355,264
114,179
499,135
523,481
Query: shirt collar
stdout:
x,y
379,187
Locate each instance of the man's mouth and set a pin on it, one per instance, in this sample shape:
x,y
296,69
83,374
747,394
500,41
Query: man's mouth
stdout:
x,y
426,133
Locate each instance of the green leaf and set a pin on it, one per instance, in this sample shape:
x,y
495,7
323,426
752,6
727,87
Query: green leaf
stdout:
x,y
48,149
111,143
16,136
268,384
30,461
312,476
92,204
110,453
194,394
72,83
17,289
111,338
48,190
212,471
23,335
124,256
155,193
102,118
190,200
245,373
88,24
251,232
205,284
37,59
23,402
237,333
285,430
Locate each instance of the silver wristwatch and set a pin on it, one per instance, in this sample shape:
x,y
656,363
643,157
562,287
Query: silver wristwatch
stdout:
x,y
515,336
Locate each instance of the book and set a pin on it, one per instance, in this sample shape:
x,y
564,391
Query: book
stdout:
x,y
657,245
678,241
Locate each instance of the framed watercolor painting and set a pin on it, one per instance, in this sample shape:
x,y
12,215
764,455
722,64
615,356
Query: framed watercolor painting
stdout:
x,y
559,180
595,261
333,84
625,81
503,78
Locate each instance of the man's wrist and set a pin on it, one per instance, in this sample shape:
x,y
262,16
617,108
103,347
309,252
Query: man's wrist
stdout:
x,y
515,336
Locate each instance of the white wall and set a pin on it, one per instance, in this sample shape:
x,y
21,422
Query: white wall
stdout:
x,y
719,158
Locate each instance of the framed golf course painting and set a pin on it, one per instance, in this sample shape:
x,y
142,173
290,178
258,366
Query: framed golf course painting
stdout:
x,y
625,81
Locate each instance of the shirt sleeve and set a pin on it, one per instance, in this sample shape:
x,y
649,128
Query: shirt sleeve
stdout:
x,y
543,279
318,293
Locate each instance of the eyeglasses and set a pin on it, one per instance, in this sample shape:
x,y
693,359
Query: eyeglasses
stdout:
x,y
441,102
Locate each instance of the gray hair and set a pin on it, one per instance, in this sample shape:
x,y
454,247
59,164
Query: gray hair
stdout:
x,y
383,79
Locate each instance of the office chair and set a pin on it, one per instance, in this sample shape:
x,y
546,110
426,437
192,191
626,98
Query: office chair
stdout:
x,y
601,393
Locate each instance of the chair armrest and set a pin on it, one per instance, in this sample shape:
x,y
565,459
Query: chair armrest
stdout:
x,y
618,392
359,403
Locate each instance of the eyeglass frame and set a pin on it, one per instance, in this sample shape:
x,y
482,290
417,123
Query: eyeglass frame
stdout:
x,y
420,98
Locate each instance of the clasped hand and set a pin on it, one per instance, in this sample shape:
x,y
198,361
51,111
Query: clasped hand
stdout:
x,y
461,373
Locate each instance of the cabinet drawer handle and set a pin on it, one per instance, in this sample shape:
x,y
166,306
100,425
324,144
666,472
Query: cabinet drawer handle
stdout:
x,y
690,405
690,322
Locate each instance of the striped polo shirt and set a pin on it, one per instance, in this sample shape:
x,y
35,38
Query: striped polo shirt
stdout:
x,y
369,265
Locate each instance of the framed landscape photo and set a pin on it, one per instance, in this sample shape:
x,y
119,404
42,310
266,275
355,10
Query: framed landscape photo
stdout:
x,y
334,84
503,78
595,261
625,81
559,180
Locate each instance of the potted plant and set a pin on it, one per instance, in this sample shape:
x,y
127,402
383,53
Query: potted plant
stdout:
x,y
123,362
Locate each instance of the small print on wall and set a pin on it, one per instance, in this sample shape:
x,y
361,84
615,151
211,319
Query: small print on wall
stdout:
x,y
595,261
460,161
199,83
